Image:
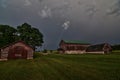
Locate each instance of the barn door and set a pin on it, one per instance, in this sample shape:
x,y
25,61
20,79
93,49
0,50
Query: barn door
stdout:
x,y
17,52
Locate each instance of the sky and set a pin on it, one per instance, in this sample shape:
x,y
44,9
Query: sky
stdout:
x,y
91,21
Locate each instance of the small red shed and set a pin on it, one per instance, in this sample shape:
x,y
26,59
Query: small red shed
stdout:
x,y
16,50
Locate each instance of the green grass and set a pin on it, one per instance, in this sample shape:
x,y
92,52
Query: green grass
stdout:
x,y
63,67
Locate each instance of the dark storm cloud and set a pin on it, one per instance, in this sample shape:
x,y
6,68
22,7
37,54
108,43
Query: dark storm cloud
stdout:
x,y
84,20
115,8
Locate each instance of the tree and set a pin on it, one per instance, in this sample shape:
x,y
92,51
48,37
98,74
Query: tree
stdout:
x,y
30,35
116,47
7,35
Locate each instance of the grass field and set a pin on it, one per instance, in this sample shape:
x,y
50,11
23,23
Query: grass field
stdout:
x,y
63,67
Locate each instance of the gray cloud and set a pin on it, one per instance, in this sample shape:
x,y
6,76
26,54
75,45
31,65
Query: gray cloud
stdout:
x,y
91,10
114,9
66,25
87,18
3,3
45,12
27,3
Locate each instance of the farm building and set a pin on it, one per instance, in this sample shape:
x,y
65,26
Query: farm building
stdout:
x,y
16,50
99,48
70,47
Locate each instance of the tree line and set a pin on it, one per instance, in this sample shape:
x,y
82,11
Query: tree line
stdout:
x,y
116,47
25,32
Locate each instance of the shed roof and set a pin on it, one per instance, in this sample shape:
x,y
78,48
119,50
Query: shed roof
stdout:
x,y
75,42
15,43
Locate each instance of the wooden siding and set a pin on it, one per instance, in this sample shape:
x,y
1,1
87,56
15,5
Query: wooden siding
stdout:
x,y
72,48
18,50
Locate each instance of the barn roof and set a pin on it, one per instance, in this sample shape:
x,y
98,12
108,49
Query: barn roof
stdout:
x,y
75,42
15,43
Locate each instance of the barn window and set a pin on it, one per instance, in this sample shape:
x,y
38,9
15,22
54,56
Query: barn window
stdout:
x,y
18,50
78,47
18,55
68,48
72,47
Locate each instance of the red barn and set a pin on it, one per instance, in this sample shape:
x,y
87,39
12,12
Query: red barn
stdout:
x,y
72,47
16,50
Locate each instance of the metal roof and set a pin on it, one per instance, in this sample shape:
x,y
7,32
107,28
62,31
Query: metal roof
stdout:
x,y
75,42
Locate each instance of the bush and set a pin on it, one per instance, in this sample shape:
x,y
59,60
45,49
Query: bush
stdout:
x,y
45,51
36,55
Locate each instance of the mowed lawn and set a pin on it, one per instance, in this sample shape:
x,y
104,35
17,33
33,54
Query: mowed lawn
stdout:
x,y
63,67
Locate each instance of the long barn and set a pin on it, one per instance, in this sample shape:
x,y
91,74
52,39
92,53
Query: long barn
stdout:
x,y
16,50
72,46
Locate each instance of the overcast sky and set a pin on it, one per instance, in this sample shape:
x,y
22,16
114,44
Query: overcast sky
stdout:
x,y
93,21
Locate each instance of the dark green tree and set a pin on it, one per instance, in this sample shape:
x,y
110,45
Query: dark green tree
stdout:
x,y
30,35
7,35
116,47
